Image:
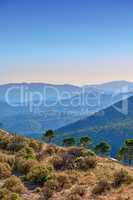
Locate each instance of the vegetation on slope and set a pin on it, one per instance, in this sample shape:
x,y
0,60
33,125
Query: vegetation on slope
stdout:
x,y
32,170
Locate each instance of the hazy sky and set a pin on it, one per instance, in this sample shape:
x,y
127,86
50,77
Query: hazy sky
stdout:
x,y
66,41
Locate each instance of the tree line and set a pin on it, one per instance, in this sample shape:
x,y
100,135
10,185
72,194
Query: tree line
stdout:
x,y
125,154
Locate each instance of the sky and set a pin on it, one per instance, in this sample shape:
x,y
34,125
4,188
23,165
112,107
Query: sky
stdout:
x,y
66,41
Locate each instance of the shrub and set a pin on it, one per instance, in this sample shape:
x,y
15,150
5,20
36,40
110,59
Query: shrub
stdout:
x,y
7,195
75,151
15,146
5,170
14,184
27,153
17,138
63,163
46,193
57,163
85,163
63,181
50,150
101,187
35,145
87,152
78,152
24,166
57,183
7,158
121,177
77,193
4,194
27,165
15,196
18,164
4,141
3,157
69,162
3,144
52,184
39,174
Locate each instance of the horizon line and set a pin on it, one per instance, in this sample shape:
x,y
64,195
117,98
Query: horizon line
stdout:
x,y
61,84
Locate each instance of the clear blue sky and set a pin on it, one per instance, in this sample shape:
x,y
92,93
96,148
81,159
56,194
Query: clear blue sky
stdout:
x,y
74,41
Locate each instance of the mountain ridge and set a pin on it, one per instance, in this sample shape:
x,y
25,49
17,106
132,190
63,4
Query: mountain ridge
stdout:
x,y
107,125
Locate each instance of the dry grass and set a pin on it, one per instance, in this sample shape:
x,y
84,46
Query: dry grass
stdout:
x,y
77,174
104,174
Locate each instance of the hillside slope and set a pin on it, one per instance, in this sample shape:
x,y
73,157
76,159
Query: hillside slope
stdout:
x,y
32,170
109,125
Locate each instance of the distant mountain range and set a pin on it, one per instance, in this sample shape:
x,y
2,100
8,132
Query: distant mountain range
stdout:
x,y
20,91
52,89
41,106
115,86
113,125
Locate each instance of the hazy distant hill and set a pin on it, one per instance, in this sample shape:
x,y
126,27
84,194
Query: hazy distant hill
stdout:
x,y
115,86
23,107
21,120
107,125
32,117
52,91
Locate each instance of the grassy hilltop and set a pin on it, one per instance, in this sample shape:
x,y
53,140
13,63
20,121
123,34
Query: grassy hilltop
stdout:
x,y
32,170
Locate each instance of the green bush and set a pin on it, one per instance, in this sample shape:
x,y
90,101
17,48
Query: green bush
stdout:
x,y
4,194
39,174
78,152
14,184
7,195
15,196
86,163
59,182
24,166
27,153
27,165
87,152
5,170
10,159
